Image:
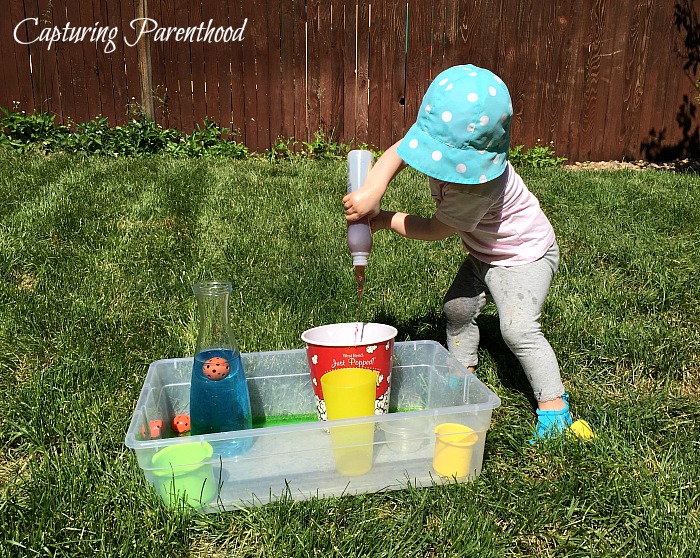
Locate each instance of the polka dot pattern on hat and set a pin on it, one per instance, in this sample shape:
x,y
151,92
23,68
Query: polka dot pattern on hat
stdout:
x,y
461,133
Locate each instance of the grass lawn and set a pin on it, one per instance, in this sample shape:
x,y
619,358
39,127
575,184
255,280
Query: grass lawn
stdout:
x,y
98,257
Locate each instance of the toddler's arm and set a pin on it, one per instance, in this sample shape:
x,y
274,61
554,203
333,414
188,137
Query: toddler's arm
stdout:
x,y
412,226
366,200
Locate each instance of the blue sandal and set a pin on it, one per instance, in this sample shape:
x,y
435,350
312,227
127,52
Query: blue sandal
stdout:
x,y
553,423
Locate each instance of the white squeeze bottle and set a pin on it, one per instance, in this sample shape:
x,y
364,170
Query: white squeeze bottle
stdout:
x,y
359,233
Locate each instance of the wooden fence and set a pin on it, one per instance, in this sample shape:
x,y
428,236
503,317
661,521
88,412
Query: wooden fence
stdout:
x,y
598,79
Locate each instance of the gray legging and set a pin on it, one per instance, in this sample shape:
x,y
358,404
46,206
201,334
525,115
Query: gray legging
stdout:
x,y
519,294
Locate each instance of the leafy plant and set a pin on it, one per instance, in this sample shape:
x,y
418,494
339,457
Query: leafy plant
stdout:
x,y
208,140
323,146
28,132
282,148
140,136
143,136
539,156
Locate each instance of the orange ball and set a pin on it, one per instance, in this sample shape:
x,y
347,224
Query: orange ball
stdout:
x,y
181,424
155,428
216,368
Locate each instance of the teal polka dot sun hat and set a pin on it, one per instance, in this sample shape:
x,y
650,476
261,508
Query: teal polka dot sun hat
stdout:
x,y
462,130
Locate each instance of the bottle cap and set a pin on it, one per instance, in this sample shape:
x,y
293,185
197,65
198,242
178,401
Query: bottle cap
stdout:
x,y
359,258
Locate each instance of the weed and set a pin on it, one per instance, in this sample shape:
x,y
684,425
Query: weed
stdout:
x,y
539,156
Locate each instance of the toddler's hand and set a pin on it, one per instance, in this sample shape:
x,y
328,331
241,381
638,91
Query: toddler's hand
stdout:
x,y
359,204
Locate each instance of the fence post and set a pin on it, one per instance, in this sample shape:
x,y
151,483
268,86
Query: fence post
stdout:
x,y
143,49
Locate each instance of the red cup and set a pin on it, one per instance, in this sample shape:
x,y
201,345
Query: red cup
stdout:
x,y
351,345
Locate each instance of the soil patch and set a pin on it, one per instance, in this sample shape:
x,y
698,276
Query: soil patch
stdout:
x,y
680,165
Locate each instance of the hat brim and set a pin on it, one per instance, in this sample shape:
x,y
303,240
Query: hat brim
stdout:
x,y
466,165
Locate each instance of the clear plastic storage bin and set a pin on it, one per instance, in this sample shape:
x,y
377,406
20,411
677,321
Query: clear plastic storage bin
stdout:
x,y
291,453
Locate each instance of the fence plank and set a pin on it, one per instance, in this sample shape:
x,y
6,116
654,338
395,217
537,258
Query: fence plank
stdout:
x,y
276,86
313,67
592,66
686,140
397,72
199,76
103,68
362,87
659,79
91,65
250,101
376,83
575,76
159,51
288,73
35,56
515,72
133,81
388,45
48,66
78,72
183,70
335,94
564,27
235,54
117,63
349,79
605,60
323,26
9,73
164,61
549,105
451,33
437,38
632,86
262,61
301,125
223,70
209,51
417,58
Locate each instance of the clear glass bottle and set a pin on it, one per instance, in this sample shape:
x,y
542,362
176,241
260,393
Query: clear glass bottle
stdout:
x,y
219,399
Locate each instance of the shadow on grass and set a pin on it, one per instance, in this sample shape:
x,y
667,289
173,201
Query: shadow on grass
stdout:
x,y
508,369
431,326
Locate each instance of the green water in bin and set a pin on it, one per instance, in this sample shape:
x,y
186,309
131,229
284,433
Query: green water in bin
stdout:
x,y
282,420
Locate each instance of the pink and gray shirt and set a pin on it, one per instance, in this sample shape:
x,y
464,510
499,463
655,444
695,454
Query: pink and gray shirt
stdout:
x,y
500,221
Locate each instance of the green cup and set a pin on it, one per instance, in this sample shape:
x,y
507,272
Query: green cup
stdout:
x,y
184,471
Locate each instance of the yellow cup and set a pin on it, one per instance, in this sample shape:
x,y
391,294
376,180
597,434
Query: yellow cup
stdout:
x,y
453,450
349,393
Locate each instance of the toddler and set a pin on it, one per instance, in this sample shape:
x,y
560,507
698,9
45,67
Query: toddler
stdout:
x,y
460,140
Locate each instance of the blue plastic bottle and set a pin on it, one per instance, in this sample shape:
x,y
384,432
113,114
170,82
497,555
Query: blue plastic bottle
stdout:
x,y
219,399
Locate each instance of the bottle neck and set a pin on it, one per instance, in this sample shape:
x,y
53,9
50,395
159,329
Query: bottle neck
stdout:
x,y
214,329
